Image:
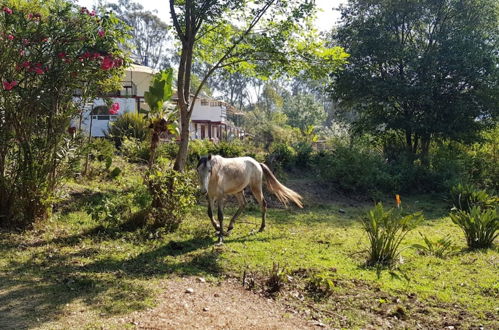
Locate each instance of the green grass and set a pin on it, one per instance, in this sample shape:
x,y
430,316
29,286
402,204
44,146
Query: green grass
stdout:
x,y
73,263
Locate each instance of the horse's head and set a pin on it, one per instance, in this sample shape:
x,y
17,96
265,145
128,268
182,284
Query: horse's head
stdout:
x,y
204,171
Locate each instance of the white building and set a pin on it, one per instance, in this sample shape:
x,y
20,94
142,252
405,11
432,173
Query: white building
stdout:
x,y
208,121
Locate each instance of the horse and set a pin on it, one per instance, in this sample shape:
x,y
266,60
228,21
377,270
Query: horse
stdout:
x,y
219,177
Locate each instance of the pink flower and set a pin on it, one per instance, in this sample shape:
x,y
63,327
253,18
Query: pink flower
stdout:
x,y
61,55
25,41
26,64
87,55
10,37
38,70
34,16
101,33
115,108
9,85
45,39
107,63
22,53
92,13
7,10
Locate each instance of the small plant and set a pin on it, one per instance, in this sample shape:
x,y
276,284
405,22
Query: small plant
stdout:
x,y
479,225
129,125
111,212
386,229
173,193
441,248
276,279
321,285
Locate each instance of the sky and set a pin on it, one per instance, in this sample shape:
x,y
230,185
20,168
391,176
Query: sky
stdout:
x,y
327,17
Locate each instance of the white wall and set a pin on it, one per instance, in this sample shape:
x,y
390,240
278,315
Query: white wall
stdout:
x,y
100,124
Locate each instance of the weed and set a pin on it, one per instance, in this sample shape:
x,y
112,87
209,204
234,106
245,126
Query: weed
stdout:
x,y
440,248
276,280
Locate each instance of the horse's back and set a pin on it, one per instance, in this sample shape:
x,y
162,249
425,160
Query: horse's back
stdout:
x,y
234,174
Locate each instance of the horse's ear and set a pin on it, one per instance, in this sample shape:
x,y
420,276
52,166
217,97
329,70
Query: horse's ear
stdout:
x,y
209,156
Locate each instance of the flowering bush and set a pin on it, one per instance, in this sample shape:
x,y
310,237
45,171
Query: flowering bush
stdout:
x,y
51,54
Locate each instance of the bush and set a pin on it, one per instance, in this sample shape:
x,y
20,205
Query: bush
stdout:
x,y
130,125
354,170
386,230
281,156
173,193
48,51
465,197
135,151
229,149
303,154
479,225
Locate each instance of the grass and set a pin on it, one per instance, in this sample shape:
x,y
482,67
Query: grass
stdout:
x,y
72,270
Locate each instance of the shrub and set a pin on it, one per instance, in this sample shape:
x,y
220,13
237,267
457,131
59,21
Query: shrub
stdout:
x,y
321,285
479,225
130,125
134,150
234,148
465,197
281,156
48,51
386,229
173,193
303,154
440,248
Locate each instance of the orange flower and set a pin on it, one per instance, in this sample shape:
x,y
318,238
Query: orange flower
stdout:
x,y
397,200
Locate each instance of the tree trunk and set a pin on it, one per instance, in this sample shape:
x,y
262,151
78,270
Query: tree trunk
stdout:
x,y
425,151
181,159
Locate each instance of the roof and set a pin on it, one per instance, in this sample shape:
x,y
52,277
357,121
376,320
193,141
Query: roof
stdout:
x,y
140,68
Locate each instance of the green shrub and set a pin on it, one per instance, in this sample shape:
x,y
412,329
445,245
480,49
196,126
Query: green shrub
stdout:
x,y
303,154
281,156
386,229
229,149
173,193
465,197
479,225
129,125
354,170
321,285
440,248
135,151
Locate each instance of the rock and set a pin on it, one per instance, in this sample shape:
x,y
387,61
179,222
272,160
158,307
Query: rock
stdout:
x,y
341,211
216,295
189,290
205,309
201,279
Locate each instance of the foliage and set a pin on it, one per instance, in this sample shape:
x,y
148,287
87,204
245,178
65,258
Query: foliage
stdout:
x,y
149,34
281,156
131,125
276,279
480,226
304,152
134,150
385,230
173,194
303,111
409,61
321,284
465,197
440,248
49,50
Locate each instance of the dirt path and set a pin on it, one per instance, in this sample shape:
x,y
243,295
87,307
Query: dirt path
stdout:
x,y
192,303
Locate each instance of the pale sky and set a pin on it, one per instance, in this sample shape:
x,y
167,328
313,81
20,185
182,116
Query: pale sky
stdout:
x,y
325,20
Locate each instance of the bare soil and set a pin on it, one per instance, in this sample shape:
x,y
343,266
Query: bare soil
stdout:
x,y
192,303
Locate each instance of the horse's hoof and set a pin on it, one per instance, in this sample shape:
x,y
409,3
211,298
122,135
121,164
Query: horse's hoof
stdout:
x,y
219,243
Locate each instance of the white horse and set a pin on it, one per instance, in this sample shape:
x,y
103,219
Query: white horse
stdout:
x,y
220,177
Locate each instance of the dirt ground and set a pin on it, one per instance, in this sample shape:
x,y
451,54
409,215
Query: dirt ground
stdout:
x,y
193,303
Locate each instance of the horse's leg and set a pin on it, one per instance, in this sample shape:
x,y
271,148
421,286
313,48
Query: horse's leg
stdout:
x,y
221,221
242,203
211,206
256,189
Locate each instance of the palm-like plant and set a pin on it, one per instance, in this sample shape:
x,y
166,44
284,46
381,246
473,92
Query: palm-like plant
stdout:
x,y
480,226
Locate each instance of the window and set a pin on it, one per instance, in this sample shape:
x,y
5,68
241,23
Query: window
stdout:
x,y
102,113
204,102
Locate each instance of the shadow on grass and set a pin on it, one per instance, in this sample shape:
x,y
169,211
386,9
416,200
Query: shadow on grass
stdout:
x,y
36,289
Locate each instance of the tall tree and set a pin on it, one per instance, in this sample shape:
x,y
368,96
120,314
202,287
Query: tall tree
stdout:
x,y
205,33
424,68
304,111
150,35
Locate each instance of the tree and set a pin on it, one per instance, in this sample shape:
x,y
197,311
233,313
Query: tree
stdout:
x,y
150,35
205,33
303,111
49,51
422,69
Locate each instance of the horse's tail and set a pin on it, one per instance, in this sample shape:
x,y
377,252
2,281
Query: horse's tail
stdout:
x,y
283,193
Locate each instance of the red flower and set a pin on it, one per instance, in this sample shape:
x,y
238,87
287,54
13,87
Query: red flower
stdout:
x,y
101,33
25,41
38,70
92,13
115,108
7,10
9,85
10,37
107,63
61,55
22,53
26,64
